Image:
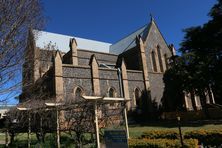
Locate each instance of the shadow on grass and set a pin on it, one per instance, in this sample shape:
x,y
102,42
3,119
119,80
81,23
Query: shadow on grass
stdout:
x,y
174,124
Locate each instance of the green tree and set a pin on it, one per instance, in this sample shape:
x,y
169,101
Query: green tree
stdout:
x,y
200,65
202,51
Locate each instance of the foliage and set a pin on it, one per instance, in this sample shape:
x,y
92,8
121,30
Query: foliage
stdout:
x,y
199,67
79,120
162,143
146,109
174,85
42,120
158,134
206,137
202,53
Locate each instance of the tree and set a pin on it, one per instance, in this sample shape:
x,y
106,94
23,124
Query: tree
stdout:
x,y
203,44
199,68
31,117
174,81
79,119
17,17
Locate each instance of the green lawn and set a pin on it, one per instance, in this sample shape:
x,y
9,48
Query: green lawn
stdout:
x,y
135,131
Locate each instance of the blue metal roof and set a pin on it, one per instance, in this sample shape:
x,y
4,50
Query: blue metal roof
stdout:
x,y
129,41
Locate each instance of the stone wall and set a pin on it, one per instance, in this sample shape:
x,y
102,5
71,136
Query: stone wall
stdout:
x,y
135,80
108,78
85,55
76,76
154,40
105,85
157,86
134,75
76,71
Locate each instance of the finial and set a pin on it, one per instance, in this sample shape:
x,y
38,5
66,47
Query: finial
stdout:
x,y
151,17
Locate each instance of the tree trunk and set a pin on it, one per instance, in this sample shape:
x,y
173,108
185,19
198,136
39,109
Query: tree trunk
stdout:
x,y
78,140
12,138
204,105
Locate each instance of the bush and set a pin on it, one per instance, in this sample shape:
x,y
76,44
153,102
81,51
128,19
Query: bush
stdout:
x,y
205,137
160,135
211,137
162,143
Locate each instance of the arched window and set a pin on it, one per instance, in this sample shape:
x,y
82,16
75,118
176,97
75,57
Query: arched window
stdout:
x,y
137,95
160,58
75,96
112,94
166,60
78,93
153,57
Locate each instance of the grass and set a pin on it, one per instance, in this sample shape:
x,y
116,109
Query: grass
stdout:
x,y
135,131
2,136
50,140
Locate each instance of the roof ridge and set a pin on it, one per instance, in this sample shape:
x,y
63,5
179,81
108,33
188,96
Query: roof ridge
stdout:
x,y
130,34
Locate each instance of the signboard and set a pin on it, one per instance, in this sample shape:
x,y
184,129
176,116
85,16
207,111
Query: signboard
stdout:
x,y
115,138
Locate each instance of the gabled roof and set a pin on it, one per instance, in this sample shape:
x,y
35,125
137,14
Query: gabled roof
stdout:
x,y
43,38
129,41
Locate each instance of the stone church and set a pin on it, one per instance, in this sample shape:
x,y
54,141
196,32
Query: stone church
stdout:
x,y
68,67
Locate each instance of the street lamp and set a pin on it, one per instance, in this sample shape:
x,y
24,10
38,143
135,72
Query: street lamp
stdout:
x,y
179,126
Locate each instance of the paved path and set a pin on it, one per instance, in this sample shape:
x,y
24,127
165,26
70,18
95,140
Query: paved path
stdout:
x,y
2,142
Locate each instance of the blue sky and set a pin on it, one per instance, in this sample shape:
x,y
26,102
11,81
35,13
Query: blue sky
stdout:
x,y
111,20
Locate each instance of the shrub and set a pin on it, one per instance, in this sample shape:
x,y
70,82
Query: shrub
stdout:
x,y
160,135
162,143
211,137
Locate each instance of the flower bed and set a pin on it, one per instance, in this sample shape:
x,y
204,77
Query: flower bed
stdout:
x,y
162,143
206,137
157,134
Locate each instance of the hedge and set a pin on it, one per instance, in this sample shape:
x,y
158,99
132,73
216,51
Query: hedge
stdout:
x,y
162,143
157,134
206,137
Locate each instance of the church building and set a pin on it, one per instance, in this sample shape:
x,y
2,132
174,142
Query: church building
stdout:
x,y
67,67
